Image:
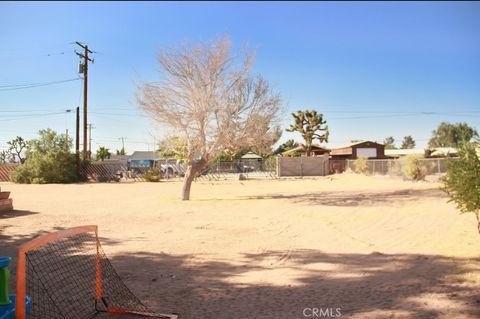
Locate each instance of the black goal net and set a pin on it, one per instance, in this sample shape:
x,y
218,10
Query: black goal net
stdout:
x,y
69,276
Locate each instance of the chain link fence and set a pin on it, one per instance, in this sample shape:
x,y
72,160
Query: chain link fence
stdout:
x,y
396,167
250,169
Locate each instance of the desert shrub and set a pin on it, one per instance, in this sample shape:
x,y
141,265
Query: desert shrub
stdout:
x,y
395,168
412,167
361,166
462,181
152,175
291,153
48,160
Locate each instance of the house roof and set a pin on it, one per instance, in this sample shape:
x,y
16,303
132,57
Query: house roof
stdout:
x,y
401,152
357,143
118,157
301,148
144,155
251,155
347,149
442,151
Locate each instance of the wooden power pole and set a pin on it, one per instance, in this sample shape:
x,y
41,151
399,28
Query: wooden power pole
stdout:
x,y
77,135
84,69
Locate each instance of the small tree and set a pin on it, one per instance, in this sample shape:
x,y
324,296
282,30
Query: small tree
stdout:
x,y
389,143
16,148
462,181
288,145
174,147
209,98
48,160
309,124
102,153
408,142
361,165
3,157
452,135
412,168
121,151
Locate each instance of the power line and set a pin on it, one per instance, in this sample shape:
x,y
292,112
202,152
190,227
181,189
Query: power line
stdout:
x,y
126,108
33,85
119,114
31,116
15,85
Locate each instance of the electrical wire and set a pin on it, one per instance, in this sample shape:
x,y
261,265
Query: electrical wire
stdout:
x,y
33,85
31,116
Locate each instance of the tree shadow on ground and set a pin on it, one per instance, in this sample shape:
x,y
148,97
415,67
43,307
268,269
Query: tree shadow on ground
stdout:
x,y
353,199
16,213
281,284
362,285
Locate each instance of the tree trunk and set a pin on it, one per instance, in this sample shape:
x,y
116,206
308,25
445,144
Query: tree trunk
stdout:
x,y
478,221
192,170
309,150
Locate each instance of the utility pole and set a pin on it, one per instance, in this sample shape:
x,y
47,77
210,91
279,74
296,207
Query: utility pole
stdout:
x,y
90,126
84,69
67,148
77,133
123,142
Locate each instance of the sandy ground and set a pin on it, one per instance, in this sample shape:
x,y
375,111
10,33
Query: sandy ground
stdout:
x,y
372,247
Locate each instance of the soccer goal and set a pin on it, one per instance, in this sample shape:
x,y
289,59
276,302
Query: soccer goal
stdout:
x,y
67,275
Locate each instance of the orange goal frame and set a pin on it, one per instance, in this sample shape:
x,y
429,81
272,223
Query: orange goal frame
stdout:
x,y
20,311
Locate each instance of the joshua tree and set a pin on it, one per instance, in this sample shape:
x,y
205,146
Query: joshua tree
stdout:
x,y
309,124
16,147
3,157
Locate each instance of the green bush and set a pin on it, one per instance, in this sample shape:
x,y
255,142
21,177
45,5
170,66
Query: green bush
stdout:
x,y
152,175
361,166
48,160
291,153
462,181
412,167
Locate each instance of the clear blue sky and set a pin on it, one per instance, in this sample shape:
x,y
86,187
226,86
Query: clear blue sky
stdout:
x,y
372,68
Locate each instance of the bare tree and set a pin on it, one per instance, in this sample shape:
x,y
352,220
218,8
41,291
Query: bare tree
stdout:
x,y
209,98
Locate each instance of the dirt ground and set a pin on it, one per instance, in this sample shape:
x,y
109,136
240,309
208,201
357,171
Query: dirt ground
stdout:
x,y
373,247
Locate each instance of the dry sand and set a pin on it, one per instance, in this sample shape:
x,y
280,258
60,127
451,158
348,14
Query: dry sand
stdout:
x,y
373,247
